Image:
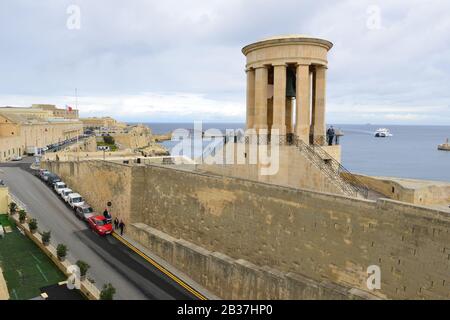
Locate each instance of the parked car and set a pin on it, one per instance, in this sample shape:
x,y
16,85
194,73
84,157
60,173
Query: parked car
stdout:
x,y
40,173
65,194
16,158
45,174
99,225
52,179
32,151
58,186
75,200
84,212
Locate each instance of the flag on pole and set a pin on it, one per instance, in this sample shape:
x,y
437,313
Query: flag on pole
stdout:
x,y
68,108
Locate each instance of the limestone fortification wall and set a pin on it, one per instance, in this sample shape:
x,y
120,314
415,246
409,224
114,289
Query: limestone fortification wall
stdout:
x,y
410,190
319,236
4,199
232,278
137,137
98,182
294,170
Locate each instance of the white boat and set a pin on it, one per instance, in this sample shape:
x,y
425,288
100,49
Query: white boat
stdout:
x,y
383,133
445,146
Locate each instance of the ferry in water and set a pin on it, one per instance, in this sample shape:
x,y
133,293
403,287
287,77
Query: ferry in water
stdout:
x,y
445,146
383,133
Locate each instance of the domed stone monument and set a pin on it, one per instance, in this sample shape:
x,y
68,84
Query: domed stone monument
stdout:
x,y
286,87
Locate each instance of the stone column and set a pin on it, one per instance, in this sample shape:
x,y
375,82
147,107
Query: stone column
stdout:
x,y
261,80
302,121
250,98
279,98
318,123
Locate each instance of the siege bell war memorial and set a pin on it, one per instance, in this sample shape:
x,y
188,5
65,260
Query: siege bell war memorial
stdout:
x,y
286,83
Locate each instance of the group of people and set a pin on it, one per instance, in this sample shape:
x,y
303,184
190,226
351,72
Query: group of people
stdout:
x,y
332,136
118,224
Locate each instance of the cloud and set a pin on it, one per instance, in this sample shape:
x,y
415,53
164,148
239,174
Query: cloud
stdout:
x,y
143,107
182,59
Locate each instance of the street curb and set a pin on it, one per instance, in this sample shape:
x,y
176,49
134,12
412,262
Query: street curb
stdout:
x,y
164,270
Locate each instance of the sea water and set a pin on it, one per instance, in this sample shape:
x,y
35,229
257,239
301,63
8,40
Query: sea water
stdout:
x,y
410,153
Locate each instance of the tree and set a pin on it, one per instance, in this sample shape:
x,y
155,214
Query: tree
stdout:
x,y
33,225
84,267
109,140
61,251
22,216
108,292
46,237
12,208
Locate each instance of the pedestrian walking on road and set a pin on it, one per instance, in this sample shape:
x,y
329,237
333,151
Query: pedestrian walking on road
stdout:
x,y
121,226
116,223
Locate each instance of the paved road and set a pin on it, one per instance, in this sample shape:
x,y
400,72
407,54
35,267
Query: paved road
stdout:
x,y
110,261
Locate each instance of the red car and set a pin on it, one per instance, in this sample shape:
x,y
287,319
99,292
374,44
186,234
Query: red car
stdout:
x,y
100,225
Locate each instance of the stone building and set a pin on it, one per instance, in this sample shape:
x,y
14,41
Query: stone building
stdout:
x,y
102,123
66,113
21,128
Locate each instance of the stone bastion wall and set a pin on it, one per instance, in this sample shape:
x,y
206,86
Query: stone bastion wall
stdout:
x,y
297,233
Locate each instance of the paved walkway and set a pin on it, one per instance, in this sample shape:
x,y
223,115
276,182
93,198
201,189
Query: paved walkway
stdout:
x,y
179,274
4,295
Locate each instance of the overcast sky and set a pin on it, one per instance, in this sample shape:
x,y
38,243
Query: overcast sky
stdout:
x,y
146,60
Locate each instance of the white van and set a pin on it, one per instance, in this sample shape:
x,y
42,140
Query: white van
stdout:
x,y
75,200
58,186
65,194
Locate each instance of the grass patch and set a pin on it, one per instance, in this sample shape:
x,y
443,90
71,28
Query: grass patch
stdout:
x,y
4,220
25,267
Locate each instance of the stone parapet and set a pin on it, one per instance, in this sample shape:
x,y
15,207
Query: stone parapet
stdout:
x,y
237,279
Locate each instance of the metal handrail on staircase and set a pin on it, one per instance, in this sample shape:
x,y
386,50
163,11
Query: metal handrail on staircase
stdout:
x,y
338,174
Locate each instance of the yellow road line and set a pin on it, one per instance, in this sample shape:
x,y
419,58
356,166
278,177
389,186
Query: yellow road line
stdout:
x,y
160,268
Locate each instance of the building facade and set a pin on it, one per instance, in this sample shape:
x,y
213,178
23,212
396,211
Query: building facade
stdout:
x,y
101,122
66,113
21,128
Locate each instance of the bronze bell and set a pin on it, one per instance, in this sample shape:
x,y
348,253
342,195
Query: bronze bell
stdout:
x,y
290,83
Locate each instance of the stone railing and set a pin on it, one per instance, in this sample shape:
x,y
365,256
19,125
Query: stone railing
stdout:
x,y
337,173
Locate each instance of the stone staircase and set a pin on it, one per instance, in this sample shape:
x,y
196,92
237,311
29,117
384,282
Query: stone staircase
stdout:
x,y
337,173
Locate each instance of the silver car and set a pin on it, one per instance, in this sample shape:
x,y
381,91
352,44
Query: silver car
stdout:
x,y
84,212
65,194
